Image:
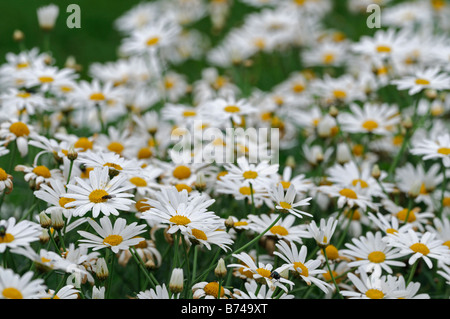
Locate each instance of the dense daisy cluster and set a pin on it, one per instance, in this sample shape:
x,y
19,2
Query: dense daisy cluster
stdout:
x,y
141,180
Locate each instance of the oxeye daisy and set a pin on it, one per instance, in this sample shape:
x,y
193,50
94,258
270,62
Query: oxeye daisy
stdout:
x,y
100,194
118,237
15,234
388,224
431,149
15,130
261,272
284,202
352,197
374,286
6,183
23,101
255,291
208,237
283,229
430,78
295,260
255,173
160,292
38,174
372,253
323,232
15,286
54,194
406,291
66,292
116,163
230,109
370,118
413,216
47,16
244,190
423,246
210,290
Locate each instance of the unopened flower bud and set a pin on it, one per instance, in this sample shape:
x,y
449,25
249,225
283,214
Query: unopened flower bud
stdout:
x,y
44,220
44,237
229,222
176,281
333,111
101,269
221,269
407,123
290,161
376,171
343,153
200,183
18,35
72,153
57,219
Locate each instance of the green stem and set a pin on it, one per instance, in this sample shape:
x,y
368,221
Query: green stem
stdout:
x,y
444,185
344,234
413,270
140,263
110,277
331,273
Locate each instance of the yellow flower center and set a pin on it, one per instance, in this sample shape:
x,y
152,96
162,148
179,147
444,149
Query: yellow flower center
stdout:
x,y
84,143
64,200
116,147
19,129
374,294
23,95
383,49
328,58
376,257
298,88
8,238
391,231
438,4
43,171
349,193
180,187
444,151
231,109
446,202
3,175
245,190
144,152
358,149
332,252
46,79
189,113
422,82
180,220
212,289
279,230
138,181
250,175
370,125
12,293
303,268
447,243
285,205
113,165
199,234
237,224
142,206
397,140
420,248
181,172
263,272
327,276
85,173
113,240
98,196
152,41
285,184
361,182
99,96
401,215
339,94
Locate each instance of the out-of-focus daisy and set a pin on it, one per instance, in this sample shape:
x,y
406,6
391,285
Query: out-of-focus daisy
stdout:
x,y
412,217
15,130
15,286
371,118
406,291
284,202
349,196
94,93
15,234
430,78
146,250
23,101
208,237
100,195
47,16
6,183
113,161
372,253
66,292
242,190
118,237
420,246
210,290
260,173
388,224
296,261
430,149
38,174
230,109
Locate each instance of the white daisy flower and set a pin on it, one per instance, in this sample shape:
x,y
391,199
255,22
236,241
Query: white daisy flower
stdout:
x,y
430,78
15,234
323,232
296,261
47,16
118,237
431,149
160,292
210,290
100,194
255,291
285,202
372,253
374,286
420,246
15,286
15,130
